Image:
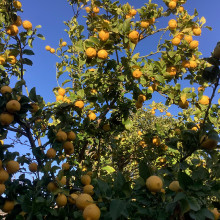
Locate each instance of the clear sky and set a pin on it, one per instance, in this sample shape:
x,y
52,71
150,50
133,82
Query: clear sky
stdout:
x,y
51,14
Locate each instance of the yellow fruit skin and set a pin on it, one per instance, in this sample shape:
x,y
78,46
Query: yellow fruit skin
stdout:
x,y
47,48
103,35
172,5
92,116
3,176
154,184
86,180
79,104
51,153
204,100
156,141
2,188
12,166
72,198
61,136
102,54
52,50
68,147
33,167
5,89
133,36
8,206
184,105
88,189
209,144
91,212
145,24
61,181
61,200
61,91
71,136
51,187
18,21
17,4
174,186
91,52
65,166
83,200
172,24
27,25
106,127
137,74
13,106
12,30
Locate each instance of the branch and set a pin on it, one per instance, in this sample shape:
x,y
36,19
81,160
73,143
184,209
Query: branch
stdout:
x,y
17,130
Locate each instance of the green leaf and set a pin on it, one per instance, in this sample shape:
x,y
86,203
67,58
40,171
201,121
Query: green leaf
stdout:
x,y
126,25
184,180
193,204
116,208
33,95
27,62
144,170
109,169
41,36
28,52
128,124
81,93
184,205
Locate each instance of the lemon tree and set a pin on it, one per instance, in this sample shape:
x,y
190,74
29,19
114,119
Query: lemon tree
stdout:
x,y
104,149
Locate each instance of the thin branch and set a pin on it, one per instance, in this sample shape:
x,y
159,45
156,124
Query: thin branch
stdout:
x,y
17,130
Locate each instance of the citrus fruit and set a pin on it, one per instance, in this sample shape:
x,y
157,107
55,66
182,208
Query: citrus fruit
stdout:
x,y
197,31
27,25
65,166
18,21
83,200
192,64
51,187
188,38
12,166
85,179
172,24
91,212
90,173
52,50
172,70
96,10
35,107
156,141
194,44
174,186
180,35
2,189
103,35
172,5
168,114
8,206
51,153
209,144
2,60
102,54
181,9
61,200
151,21
6,118
64,43
72,198
61,181
176,41
3,176
204,100
61,136
92,116
13,106
5,89
137,74
68,147
132,12
141,98
71,136
201,88
90,52
138,104
33,167
145,24
215,213
61,91
185,64
12,30
47,48
133,36
59,98
184,105
154,184
87,9
88,189
17,4
12,59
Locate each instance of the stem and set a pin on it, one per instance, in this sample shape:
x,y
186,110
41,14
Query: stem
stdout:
x,y
21,58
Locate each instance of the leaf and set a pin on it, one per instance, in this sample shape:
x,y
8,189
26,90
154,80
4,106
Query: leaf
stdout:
x,y
38,26
184,180
28,52
81,93
179,196
116,208
144,170
126,25
27,62
202,20
128,124
193,204
30,41
109,169
33,95
41,36
184,205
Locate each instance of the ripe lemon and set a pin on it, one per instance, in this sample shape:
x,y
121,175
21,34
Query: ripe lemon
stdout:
x,y
192,64
3,176
176,41
12,59
61,200
90,173
71,136
85,180
156,141
64,43
61,181
133,36
103,35
83,200
102,54
141,98
106,127
185,64
61,136
172,5
88,189
168,114
18,21
145,24
204,100
201,88
79,104
59,98
215,213
72,198
33,167
133,12
181,9
65,166
17,4
197,31
12,30
13,106
91,212
47,48
209,144
12,166
180,35
68,147
137,74
8,206
27,25
154,184
172,70
52,50
188,38
87,9
174,186
90,52
2,60
51,187
2,188
172,24
138,104
35,107
194,44
61,91
96,10
184,105
5,89
92,116
51,153
6,118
